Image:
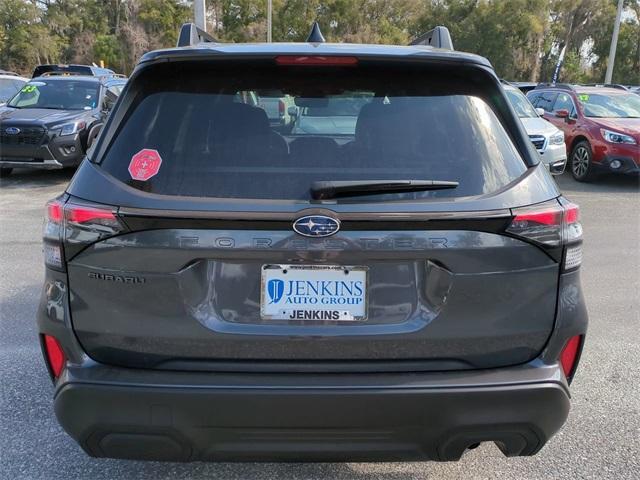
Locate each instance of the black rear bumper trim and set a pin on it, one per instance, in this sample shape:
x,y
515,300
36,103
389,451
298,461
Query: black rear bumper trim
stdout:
x,y
384,417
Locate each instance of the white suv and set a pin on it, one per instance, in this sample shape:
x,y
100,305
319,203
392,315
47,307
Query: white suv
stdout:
x,y
548,139
10,84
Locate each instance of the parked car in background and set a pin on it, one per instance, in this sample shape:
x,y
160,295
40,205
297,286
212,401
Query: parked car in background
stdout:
x,y
399,278
10,84
601,126
524,87
53,120
336,115
60,69
280,109
547,138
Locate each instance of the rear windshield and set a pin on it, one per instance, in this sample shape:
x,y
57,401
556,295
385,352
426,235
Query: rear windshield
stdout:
x,y
215,140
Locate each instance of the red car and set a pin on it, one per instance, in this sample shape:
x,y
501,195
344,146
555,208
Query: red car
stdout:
x,y
601,127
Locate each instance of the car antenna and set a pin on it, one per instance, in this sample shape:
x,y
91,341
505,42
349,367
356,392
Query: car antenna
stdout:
x,y
315,36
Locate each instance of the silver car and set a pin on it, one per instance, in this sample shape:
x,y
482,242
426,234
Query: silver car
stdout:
x,y
548,140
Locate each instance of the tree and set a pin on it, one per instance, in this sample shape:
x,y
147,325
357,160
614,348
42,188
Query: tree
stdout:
x,y
521,38
24,39
510,34
627,63
107,48
162,19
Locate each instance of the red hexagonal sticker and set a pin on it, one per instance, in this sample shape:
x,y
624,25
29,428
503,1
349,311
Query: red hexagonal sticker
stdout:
x,y
145,164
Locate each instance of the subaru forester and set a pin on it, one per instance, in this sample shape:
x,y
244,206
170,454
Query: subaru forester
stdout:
x,y
217,290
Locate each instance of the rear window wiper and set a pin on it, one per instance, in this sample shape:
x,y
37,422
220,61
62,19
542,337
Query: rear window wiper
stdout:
x,y
350,188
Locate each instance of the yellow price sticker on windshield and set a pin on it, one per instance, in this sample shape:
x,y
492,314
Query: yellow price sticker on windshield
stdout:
x,y
29,88
583,97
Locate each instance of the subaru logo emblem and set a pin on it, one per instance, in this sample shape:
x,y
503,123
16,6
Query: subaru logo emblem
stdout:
x,y
12,131
316,226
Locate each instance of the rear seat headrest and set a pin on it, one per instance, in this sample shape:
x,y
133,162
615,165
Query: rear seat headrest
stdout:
x,y
378,123
240,119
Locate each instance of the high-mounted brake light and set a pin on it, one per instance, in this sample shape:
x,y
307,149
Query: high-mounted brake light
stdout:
x,y
316,60
54,355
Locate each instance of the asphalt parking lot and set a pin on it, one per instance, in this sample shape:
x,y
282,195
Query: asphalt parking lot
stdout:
x,y
600,440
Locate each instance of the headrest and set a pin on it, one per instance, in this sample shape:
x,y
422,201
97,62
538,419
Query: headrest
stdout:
x,y
240,120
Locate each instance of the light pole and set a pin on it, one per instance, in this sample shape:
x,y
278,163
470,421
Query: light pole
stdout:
x,y
614,44
269,8
199,10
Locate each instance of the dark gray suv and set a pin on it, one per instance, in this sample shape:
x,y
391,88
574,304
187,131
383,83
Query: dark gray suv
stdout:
x,y
216,290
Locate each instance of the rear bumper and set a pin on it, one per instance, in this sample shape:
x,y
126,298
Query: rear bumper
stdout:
x,y
181,416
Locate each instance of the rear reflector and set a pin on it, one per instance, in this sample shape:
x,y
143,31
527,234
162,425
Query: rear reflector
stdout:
x,y
316,60
55,355
569,355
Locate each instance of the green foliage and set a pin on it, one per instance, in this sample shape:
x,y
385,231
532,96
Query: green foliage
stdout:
x,y
107,48
507,33
24,39
162,19
521,38
627,65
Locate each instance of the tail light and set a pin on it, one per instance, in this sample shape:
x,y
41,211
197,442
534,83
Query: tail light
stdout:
x,y
281,107
69,225
570,355
54,355
101,219
552,225
52,234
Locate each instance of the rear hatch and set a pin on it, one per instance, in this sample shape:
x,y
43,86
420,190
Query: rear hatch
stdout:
x,y
211,250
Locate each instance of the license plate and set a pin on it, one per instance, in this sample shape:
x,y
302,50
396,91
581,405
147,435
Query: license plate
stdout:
x,y
313,293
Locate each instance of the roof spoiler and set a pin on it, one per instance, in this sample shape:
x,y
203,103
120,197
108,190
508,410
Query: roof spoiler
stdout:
x,y
607,85
191,35
439,37
563,86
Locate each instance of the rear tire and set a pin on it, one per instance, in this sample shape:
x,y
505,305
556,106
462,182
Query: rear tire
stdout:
x,y
5,172
581,164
